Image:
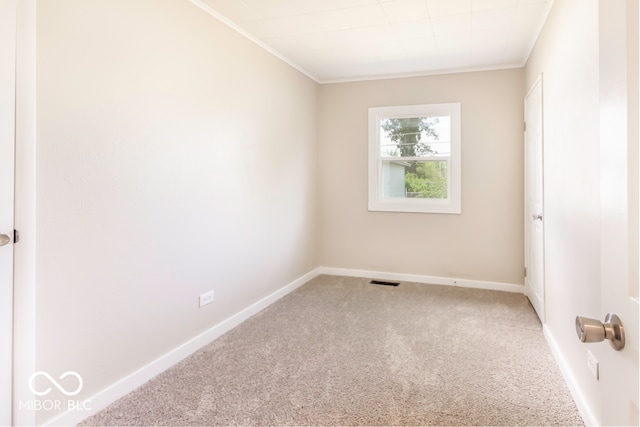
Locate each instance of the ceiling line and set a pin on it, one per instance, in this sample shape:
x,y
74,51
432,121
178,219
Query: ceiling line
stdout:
x,y
206,8
233,26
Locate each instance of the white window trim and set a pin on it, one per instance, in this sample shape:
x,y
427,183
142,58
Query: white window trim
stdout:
x,y
452,204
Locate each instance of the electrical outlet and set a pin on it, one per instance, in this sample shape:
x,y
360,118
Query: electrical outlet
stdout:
x,y
206,298
592,363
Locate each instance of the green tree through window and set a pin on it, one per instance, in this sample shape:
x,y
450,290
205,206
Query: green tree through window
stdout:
x,y
423,179
407,134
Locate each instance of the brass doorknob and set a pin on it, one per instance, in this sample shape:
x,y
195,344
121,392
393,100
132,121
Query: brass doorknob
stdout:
x,y
4,239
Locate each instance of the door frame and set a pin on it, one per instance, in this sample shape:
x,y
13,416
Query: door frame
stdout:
x,y
538,304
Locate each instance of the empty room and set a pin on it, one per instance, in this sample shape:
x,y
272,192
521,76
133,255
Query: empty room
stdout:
x,y
319,212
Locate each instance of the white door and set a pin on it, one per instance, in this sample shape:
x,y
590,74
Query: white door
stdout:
x,y
534,225
619,198
7,147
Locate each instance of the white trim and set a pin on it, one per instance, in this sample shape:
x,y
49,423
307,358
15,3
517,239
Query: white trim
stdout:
x,y
251,37
581,402
421,74
534,84
433,280
538,31
202,5
450,205
539,304
131,382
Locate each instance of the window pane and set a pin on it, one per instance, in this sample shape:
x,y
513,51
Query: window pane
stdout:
x,y
415,158
415,179
415,136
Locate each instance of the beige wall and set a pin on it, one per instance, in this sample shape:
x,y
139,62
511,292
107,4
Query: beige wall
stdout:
x,y
173,157
567,53
486,241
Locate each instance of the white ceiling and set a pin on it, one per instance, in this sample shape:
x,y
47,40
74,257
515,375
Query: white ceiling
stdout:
x,y
342,40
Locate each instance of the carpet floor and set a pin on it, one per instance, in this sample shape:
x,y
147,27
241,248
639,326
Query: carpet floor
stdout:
x,y
341,351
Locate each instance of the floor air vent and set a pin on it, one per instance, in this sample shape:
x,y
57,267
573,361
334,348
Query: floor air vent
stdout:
x,y
383,283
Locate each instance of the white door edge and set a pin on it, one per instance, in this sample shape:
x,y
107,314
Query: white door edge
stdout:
x,y
24,344
7,154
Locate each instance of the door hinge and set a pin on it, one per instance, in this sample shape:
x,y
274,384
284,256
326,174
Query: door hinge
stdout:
x,y
525,272
16,236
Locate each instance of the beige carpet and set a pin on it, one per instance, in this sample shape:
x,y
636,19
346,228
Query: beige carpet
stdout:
x,y
340,351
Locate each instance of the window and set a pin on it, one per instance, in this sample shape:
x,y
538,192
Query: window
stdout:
x,y
415,158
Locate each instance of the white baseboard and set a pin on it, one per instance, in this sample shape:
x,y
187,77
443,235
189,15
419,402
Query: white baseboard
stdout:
x,y
434,280
581,402
131,382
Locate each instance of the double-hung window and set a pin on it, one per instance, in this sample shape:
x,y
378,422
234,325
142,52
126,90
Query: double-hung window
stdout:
x,y
415,158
